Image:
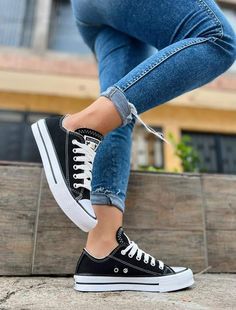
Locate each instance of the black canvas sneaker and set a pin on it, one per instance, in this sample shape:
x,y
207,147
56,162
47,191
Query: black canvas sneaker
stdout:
x,y
127,267
68,159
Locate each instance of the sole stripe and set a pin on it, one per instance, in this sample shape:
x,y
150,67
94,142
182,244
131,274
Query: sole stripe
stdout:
x,y
49,160
97,283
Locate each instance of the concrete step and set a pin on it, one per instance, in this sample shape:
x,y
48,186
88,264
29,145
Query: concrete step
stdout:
x,y
210,292
183,219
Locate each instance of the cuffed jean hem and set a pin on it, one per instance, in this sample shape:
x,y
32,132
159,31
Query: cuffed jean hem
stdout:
x,y
123,106
98,198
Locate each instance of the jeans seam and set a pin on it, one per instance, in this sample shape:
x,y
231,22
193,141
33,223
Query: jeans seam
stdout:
x,y
165,57
212,14
118,87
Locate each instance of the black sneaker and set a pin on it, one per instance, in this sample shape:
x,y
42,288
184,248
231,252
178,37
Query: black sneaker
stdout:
x,y
128,268
68,159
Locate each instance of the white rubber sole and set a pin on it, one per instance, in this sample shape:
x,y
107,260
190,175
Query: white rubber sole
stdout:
x,y
75,211
178,281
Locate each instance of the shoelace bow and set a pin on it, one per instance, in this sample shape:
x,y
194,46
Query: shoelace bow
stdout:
x,y
133,249
87,157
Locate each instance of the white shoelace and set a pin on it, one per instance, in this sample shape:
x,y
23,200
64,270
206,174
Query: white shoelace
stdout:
x,y
86,156
133,248
150,129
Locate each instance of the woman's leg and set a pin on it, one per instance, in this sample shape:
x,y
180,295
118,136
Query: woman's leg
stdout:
x,y
116,53
196,44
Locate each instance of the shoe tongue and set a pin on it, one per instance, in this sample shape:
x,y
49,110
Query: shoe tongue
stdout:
x,y
91,137
121,237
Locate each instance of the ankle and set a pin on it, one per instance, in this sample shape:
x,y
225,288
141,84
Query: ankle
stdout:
x,y
102,239
73,122
101,248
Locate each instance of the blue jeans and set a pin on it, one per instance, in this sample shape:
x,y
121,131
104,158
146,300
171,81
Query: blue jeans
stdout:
x,y
148,52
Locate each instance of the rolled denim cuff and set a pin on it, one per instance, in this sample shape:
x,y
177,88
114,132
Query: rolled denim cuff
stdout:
x,y
107,198
123,106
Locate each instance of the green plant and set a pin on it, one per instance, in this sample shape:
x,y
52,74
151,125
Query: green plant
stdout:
x,y
150,169
186,153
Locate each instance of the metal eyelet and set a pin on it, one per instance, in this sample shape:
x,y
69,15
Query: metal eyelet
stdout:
x,y
75,185
75,176
138,258
122,252
75,167
125,270
116,269
74,141
130,255
75,158
74,151
146,261
153,264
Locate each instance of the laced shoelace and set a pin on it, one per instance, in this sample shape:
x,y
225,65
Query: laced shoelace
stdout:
x,y
133,249
86,156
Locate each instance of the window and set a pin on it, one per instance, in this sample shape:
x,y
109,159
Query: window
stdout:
x,y
231,16
217,152
16,139
147,150
16,22
64,35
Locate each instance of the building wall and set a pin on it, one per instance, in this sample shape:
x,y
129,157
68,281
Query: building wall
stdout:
x,y
34,78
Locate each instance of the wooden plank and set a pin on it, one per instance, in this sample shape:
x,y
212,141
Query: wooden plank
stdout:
x,y
58,250
164,216
18,203
164,202
220,201
222,250
59,242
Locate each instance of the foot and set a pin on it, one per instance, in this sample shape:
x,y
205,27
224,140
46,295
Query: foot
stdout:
x,y
68,159
128,268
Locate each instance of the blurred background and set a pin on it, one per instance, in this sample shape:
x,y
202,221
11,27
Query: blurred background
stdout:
x,y
46,69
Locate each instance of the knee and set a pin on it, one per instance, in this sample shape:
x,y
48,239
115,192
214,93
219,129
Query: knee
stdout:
x,y
229,46
218,30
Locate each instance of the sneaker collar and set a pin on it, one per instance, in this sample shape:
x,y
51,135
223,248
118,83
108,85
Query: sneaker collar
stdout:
x,y
121,237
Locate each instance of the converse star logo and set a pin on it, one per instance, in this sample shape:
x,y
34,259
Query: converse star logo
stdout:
x,y
91,142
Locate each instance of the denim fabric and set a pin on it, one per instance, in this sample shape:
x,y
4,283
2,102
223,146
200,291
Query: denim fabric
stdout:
x,y
112,162
148,52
